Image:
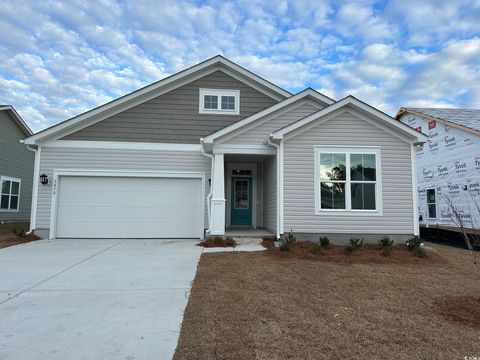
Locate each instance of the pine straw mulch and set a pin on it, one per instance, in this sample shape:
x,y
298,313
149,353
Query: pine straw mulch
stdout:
x,y
266,305
12,239
366,254
217,241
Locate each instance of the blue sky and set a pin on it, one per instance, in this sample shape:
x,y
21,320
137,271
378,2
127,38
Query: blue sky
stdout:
x,y
58,59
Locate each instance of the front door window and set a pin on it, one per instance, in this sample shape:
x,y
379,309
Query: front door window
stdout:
x,y
241,204
241,194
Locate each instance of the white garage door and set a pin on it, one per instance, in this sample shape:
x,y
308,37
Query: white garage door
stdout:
x,y
129,207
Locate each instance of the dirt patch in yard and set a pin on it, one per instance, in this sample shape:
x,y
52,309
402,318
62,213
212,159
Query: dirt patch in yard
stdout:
x,y
264,306
462,309
366,254
12,239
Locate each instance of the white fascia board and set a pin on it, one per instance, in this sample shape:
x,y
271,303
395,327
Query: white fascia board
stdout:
x,y
153,90
16,116
243,149
85,144
250,119
358,105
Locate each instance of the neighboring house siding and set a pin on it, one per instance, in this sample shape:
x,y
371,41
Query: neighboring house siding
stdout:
x,y
112,159
174,117
260,131
18,162
347,130
270,193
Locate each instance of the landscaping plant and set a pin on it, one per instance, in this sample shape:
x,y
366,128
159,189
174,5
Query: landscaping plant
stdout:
x,y
386,245
354,244
288,242
415,245
324,242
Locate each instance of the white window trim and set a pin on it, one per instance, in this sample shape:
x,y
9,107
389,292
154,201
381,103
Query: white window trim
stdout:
x,y
8,178
219,93
436,205
348,211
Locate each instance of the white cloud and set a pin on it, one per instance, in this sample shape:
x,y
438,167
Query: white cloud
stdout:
x,y
62,58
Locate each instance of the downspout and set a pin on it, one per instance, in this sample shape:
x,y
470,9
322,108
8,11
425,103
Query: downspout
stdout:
x,y
278,185
209,196
36,171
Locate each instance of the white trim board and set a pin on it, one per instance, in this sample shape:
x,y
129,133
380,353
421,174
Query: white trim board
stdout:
x,y
85,144
356,105
217,63
243,149
57,173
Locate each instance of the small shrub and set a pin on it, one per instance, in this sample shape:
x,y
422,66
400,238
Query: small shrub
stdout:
x,y
324,242
354,244
415,245
386,245
414,242
288,242
20,232
218,240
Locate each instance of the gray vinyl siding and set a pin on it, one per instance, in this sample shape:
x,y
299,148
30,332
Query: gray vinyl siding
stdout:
x,y
174,117
258,134
270,193
347,130
114,159
18,162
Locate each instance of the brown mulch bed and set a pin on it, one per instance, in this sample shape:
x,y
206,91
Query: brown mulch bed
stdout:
x,y
217,242
268,306
12,239
366,254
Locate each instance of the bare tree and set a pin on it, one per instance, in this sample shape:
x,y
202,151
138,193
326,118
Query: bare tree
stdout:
x,y
470,234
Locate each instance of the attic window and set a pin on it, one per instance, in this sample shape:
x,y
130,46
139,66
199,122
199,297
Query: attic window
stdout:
x,y
219,101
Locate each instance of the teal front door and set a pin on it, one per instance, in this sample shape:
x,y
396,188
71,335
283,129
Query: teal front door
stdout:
x,y
241,201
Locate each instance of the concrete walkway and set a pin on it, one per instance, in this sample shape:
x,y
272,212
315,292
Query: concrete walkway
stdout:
x,y
94,299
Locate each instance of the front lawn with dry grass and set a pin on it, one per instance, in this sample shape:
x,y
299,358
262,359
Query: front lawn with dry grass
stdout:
x,y
331,305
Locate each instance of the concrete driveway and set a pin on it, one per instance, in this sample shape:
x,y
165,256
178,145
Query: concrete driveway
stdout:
x,y
94,299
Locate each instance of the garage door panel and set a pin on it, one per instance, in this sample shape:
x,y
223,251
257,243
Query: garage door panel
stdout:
x,y
96,207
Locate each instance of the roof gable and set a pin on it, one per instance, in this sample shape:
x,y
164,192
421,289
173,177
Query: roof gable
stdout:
x,y
464,119
277,108
17,119
361,108
158,88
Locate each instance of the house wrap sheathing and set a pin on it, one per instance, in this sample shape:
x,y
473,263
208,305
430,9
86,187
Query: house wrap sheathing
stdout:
x,y
449,164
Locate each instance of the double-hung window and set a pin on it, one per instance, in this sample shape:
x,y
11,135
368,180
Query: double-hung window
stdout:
x,y
219,101
10,193
347,180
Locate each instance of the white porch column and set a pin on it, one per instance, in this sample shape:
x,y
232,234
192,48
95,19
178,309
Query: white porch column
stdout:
x,y
218,196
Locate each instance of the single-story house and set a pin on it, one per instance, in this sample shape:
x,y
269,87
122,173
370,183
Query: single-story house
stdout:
x,y
448,166
216,147
16,171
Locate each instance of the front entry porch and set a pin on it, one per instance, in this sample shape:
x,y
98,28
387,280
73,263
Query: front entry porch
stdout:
x,y
243,203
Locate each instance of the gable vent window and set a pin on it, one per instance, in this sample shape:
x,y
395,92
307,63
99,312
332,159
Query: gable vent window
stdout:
x,y
219,101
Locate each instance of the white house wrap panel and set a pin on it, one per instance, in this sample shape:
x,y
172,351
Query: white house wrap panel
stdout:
x,y
450,164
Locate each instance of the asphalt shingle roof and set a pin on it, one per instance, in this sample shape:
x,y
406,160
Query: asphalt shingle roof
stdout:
x,y
469,118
